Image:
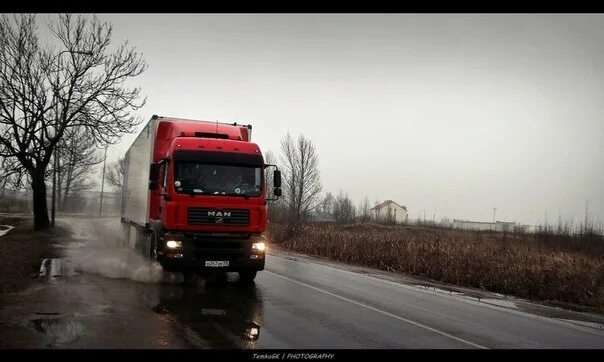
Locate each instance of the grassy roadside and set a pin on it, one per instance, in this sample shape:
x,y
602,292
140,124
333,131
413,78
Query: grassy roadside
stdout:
x,y
21,251
552,270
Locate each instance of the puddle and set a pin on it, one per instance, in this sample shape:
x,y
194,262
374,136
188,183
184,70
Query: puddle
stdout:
x,y
4,229
52,268
109,267
58,330
226,316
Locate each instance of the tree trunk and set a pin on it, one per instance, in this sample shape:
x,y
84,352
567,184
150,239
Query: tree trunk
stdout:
x,y
41,220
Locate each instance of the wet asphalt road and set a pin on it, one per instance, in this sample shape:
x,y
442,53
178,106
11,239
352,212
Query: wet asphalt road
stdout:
x,y
297,302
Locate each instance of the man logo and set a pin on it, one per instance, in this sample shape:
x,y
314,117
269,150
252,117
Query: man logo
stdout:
x,y
218,220
219,214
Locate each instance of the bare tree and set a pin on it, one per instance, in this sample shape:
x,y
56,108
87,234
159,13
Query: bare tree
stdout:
x,y
327,204
77,154
364,210
301,181
12,174
115,174
45,92
343,209
375,213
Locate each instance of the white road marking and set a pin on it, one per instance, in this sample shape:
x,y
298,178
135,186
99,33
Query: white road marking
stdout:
x,y
379,311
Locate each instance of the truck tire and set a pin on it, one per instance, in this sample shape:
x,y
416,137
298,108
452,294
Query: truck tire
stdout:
x,y
247,277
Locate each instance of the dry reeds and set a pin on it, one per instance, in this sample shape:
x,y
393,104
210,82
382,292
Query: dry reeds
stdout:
x,y
548,268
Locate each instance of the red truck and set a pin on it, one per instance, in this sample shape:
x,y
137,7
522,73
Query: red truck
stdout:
x,y
194,196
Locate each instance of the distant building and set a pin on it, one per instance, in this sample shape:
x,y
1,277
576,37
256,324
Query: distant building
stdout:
x,y
493,226
389,211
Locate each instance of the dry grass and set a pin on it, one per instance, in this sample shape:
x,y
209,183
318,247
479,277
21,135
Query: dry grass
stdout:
x,y
525,265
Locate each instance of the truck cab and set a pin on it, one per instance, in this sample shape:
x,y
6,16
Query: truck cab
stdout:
x,y
206,198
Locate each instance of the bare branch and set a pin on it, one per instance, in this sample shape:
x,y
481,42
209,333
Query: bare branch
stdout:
x,y
115,173
302,185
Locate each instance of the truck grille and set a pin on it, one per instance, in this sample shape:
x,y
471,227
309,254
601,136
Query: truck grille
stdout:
x,y
206,216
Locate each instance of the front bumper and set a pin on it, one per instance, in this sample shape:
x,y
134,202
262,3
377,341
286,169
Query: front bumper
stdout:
x,y
198,248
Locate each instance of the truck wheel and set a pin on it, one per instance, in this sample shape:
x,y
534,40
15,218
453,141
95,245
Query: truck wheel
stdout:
x,y
248,276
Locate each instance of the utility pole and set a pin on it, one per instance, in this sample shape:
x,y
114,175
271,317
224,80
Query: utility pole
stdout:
x,y
494,212
103,183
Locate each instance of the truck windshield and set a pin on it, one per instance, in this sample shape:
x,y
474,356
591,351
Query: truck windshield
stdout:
x,y
224,180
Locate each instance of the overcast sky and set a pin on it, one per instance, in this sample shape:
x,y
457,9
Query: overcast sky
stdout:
x,y
448,114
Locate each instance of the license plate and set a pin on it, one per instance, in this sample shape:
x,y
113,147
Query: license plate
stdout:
x,y
217,264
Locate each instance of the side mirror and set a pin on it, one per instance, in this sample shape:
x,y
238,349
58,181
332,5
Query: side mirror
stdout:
x,y
277,191
277,180
153,176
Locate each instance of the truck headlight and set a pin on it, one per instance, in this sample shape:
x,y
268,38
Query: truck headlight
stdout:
x,y
171,244
261,246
